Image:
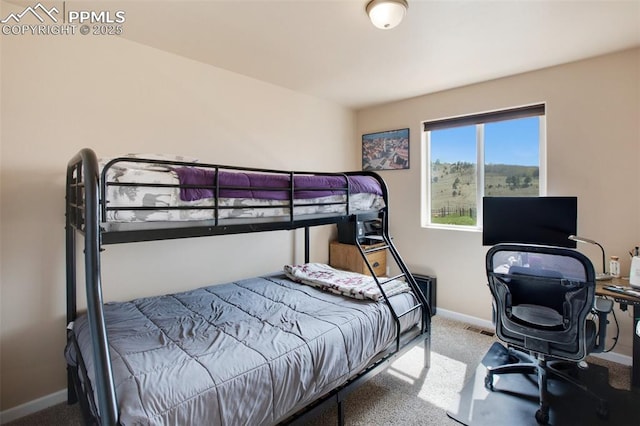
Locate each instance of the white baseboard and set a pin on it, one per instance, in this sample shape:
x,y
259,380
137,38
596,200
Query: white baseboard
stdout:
x,y
615,357
464,318
609,356
34,406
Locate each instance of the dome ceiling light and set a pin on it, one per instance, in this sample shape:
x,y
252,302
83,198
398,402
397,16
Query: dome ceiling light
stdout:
x,y
386,14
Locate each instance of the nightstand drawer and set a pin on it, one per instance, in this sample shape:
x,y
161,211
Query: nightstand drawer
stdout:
x,y
347,257
378,261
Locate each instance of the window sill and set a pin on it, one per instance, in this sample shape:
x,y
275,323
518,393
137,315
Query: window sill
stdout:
x,y
452,227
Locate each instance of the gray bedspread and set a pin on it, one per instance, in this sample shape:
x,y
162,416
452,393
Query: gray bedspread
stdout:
x,y
243,353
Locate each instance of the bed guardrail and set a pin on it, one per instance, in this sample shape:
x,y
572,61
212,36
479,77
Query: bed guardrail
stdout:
x,y
288,182
216,187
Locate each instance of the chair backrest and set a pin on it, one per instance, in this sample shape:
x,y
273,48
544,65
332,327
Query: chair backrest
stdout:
x,y
542,297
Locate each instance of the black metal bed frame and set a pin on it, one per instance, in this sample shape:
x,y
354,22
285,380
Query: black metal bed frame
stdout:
x,y
86,208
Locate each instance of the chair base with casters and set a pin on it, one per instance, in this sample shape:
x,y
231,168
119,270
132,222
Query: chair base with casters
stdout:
x,y
538,365
544,304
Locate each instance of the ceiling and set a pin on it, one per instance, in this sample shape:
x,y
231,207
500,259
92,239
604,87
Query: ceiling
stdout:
x,y
329,49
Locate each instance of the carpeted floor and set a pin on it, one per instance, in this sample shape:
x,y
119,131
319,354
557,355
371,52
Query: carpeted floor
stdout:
x,y
405,394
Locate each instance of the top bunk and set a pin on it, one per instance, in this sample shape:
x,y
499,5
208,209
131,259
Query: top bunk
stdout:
x,y
152,197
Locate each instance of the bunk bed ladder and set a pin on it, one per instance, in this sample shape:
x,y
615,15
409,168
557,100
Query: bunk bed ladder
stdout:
x,y
422,302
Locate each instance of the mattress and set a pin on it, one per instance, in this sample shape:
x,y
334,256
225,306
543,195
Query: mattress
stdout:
x,y
161,193
248,352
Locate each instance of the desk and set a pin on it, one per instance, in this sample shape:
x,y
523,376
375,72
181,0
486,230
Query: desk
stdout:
x,y
625,300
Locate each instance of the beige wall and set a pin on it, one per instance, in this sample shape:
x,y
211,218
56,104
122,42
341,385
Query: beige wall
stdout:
x,y
60,94
593,151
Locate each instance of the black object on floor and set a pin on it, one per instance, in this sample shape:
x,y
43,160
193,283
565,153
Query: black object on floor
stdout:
x,y
514,399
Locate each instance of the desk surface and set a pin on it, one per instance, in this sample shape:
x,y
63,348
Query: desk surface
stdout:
x,y
619,297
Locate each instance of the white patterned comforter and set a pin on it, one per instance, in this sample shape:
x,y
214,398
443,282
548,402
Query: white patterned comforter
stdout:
x,y
346,283
163,197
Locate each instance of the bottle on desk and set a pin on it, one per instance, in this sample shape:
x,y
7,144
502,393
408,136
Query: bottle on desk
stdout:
x,y
614,266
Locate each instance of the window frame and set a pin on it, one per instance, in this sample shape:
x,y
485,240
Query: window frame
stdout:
x,y
478,120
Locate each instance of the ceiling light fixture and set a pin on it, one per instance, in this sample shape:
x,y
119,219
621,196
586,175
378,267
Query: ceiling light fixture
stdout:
x,y
387,14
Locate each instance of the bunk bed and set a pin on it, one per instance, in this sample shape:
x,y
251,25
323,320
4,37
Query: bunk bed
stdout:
x,y
265,350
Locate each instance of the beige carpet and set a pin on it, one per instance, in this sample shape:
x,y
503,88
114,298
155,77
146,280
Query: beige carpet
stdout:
x,y
405,394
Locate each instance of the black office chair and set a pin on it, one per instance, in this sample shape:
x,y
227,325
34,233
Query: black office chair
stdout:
x,y
544,303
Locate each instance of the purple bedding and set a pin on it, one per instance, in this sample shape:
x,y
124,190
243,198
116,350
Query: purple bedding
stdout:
x,y
234,185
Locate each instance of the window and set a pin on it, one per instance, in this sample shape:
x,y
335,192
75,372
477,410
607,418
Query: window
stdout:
x,y
492,154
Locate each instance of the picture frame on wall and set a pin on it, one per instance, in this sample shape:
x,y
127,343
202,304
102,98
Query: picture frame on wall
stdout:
x,y
388,150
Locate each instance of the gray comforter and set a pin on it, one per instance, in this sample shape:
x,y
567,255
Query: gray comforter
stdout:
x,y
248,352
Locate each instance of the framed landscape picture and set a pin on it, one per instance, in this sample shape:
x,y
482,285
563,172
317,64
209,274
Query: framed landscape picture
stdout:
x,y
387,150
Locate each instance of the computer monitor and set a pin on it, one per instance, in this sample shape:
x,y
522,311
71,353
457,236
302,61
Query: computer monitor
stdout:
x,y
529,220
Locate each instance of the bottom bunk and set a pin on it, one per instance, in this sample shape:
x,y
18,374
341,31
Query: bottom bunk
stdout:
x,y
255,351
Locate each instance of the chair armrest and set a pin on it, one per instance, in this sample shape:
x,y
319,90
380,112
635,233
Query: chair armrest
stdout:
x,y
602,305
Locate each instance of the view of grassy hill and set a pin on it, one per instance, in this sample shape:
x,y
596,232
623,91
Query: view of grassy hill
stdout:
x,y
453,187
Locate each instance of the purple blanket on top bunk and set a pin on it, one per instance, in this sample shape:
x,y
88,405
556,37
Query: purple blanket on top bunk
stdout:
x,y
305,186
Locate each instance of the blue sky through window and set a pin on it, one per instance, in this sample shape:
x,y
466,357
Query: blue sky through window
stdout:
x,y
506,142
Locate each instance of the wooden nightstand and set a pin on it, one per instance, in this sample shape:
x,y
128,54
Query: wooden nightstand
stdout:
x,y
347,256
